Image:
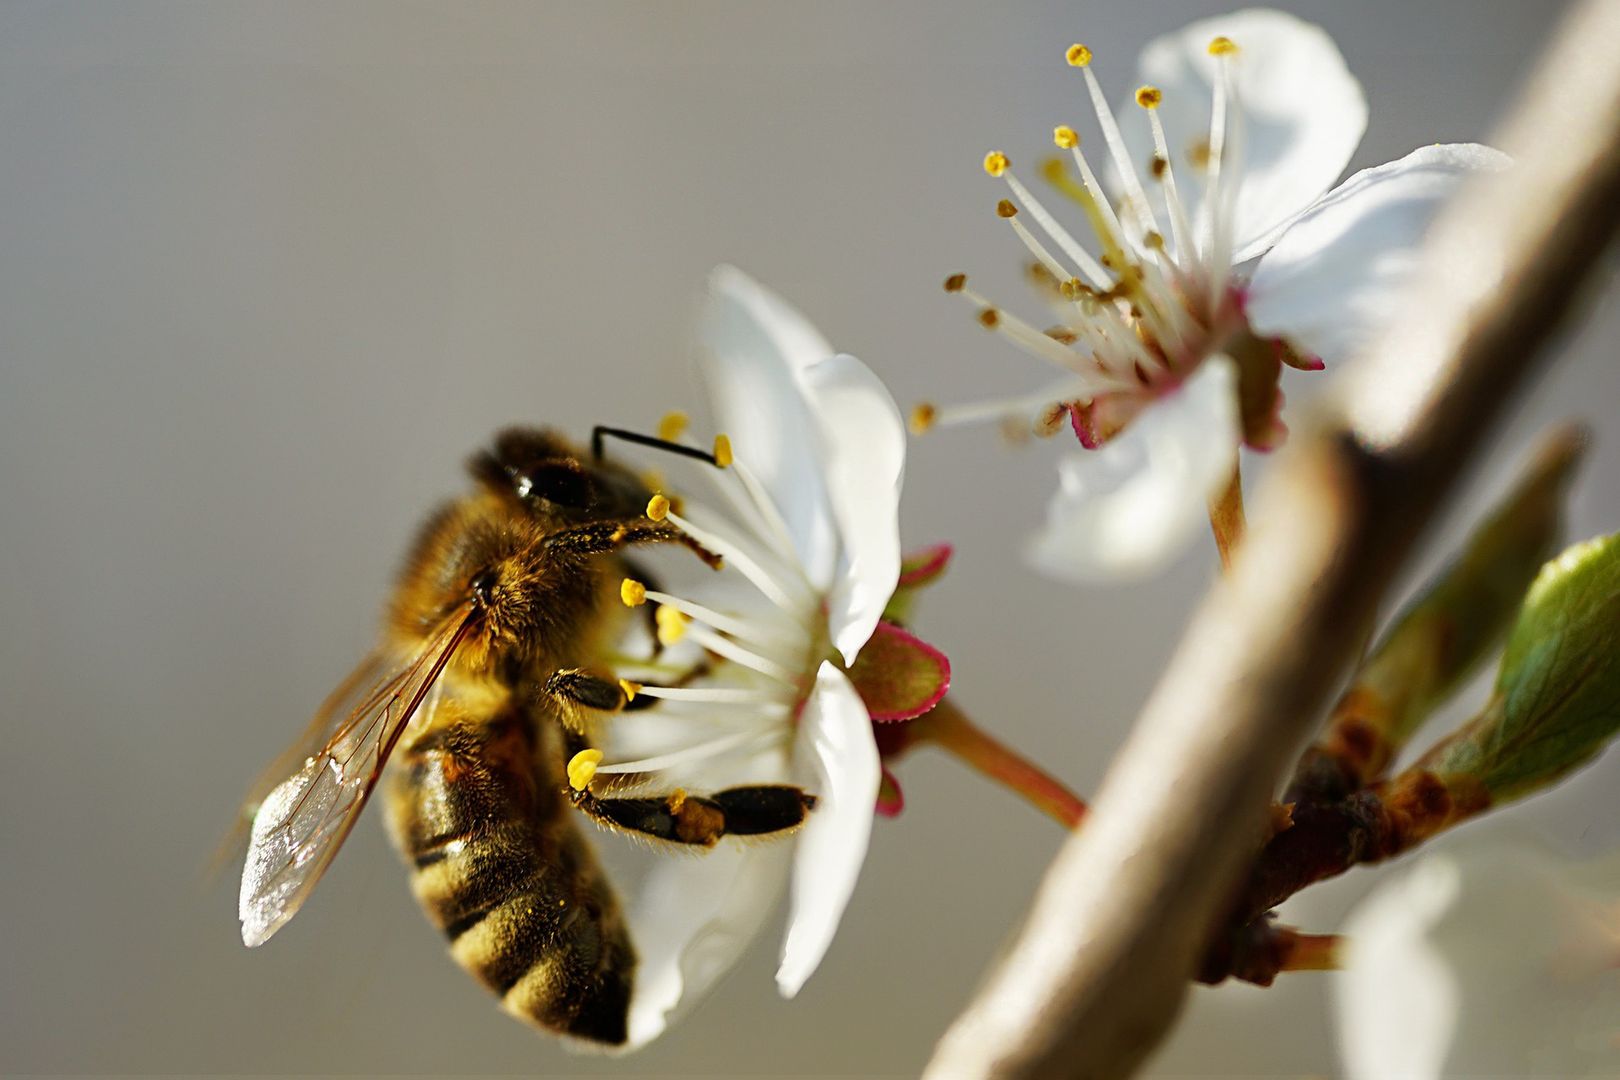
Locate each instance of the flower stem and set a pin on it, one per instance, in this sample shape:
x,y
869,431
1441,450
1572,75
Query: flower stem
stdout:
x,y
949,728
1226,518
1313,952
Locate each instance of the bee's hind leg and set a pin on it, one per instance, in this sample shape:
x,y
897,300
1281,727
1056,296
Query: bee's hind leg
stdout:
x,y
700,820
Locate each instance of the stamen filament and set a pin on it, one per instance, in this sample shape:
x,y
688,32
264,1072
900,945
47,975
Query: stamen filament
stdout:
x,y
1116,149
1002,408
1098,210
761,633
735,556
1180,227
731,650
1212,190
713,747
1037,249
767,510
1231,176
1088,264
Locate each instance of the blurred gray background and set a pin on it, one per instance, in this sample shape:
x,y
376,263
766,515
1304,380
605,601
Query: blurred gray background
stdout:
x,y
268,274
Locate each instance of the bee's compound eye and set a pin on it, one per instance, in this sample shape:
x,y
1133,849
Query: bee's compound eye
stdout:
x,y
564,484
482,584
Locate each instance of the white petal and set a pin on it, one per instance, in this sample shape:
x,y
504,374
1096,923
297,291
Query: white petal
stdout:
x,y
1303,115
691,921
1397,998
1125,508
1336,273
1488,959
864,458
841,760
756,350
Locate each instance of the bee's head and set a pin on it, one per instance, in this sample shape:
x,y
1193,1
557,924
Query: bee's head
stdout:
x,y
543,472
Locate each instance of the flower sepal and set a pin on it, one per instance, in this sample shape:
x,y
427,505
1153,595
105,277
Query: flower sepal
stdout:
x,y
918,570
898,675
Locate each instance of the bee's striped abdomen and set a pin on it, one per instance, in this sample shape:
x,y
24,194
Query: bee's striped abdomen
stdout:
x,y
500,866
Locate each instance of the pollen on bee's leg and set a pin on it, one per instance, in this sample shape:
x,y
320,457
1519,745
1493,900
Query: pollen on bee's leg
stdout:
x,y
582,768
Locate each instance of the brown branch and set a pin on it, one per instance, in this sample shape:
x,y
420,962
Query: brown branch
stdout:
x,y
1128,908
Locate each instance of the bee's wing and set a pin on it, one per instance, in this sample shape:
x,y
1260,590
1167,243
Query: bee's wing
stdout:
x,y
340,703
304,819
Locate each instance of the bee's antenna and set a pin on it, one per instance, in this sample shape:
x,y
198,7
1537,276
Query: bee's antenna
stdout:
x,y
601,431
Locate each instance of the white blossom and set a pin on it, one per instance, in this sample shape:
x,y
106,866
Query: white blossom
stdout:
x,y
1218,242
807,526
1486,960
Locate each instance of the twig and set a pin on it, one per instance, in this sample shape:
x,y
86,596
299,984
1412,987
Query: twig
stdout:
x,y
1127,910
1226,518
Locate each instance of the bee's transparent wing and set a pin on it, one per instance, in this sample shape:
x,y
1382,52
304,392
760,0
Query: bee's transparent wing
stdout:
x,y
304,819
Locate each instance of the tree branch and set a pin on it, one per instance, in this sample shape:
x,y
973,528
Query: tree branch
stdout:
x,y
1128,908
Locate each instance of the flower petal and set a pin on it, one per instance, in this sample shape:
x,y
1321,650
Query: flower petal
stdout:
x,y
691,920
1124,508
1491,959
756,350
863,457
836,745
1333,277
1397,999
1303,115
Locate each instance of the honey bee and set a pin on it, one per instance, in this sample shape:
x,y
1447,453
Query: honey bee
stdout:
x,y
504,614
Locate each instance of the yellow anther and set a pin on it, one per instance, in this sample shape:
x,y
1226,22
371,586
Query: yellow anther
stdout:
x,y
1149,97
582,768
1065,137
996,163
671,625
1153,241
632,592
658,508
990,318
1222,46
955,283
1158,167
1005,208
722,450
1078,55
922,417
673,425
631,689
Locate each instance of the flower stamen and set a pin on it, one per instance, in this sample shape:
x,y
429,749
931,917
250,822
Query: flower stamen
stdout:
x,y
684,756
1180,227
1088,264
736,556
1136,195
